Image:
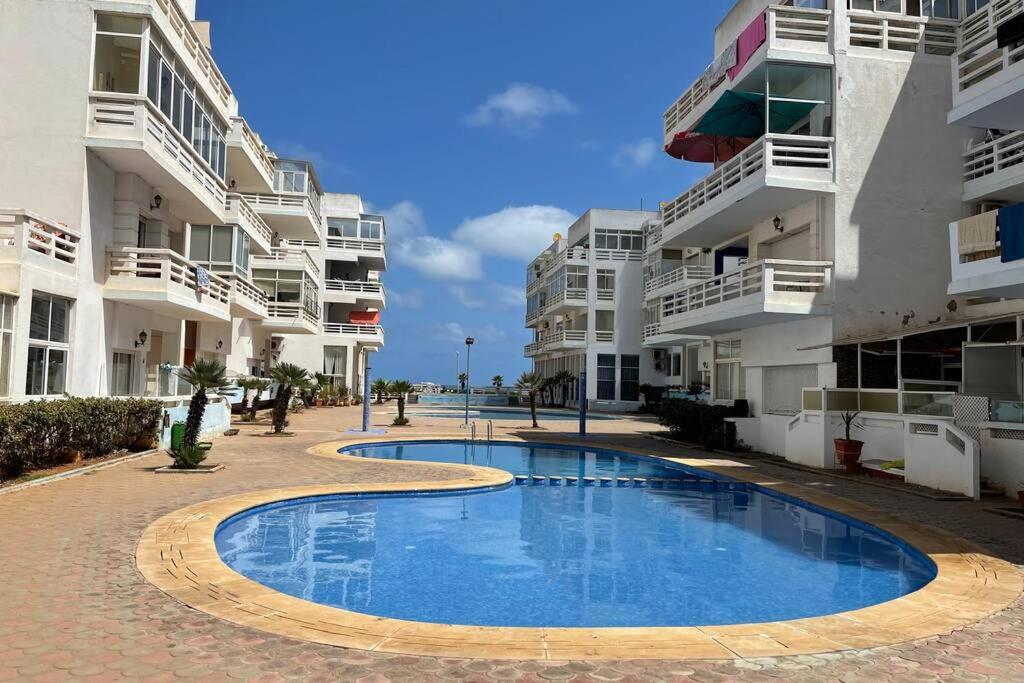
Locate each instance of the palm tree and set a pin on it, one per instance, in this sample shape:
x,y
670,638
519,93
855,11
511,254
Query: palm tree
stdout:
x,y
203,375
562,379
320,382
380,388
532,383
247,384
548,391
289,377
400,388
260,385
463,378
497,381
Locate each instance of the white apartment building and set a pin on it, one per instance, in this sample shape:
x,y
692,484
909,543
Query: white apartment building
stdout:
x,y
814,258
145,224
581,303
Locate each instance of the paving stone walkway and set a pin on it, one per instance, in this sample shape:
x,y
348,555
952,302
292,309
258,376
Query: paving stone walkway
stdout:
x,y
74,607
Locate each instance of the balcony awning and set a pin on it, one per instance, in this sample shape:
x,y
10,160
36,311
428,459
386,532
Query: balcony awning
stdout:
x,y
364,317
910,331
741,114
704,148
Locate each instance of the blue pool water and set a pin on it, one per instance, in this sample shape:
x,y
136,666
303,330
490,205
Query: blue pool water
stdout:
x,y
507,414
700,550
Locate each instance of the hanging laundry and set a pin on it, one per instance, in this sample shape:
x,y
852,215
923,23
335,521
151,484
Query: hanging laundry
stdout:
x,y
977,233
749,42
716,71
1011,232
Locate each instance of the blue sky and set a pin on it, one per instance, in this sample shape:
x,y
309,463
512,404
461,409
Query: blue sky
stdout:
x,y
479,128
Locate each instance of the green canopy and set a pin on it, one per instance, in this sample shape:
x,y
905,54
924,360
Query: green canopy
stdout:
x,y
741,114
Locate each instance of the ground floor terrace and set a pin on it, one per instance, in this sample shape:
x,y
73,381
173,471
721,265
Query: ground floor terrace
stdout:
x,y
76,607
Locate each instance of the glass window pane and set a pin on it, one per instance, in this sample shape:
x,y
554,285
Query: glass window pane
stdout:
x,y
179,89
34,378
186,115
121,374
166,80
56,367
117,64
119,23
39,321
199,249
153,75
5,363
220,249
59,320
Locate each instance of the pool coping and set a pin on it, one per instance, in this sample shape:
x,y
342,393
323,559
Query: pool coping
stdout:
x,y
178,555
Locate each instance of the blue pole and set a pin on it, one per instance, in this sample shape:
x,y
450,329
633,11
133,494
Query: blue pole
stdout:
x,y
366,399
466,423
582,395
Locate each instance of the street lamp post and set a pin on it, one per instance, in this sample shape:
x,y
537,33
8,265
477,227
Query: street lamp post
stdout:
x,y
469,344
366,398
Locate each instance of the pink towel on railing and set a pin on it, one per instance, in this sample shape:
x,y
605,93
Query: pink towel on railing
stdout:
x,y
749,42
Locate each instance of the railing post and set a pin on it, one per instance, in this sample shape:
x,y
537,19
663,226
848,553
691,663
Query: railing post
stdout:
x,y
768,279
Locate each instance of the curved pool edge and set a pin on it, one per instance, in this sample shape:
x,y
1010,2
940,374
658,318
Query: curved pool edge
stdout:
x,y
178,555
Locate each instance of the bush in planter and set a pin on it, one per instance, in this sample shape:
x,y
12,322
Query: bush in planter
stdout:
x,y
698,423
653,396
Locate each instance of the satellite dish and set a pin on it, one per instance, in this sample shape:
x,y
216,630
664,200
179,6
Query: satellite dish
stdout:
x,y
557,236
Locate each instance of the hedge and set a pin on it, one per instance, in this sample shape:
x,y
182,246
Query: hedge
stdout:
x,y
698,423
43,434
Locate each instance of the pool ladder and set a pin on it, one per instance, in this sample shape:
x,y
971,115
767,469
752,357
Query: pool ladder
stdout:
x,y
490,430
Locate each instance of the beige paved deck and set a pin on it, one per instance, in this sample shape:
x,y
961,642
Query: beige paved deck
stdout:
x,y
75,606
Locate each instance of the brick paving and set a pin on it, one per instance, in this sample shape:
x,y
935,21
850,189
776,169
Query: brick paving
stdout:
x,y
74,607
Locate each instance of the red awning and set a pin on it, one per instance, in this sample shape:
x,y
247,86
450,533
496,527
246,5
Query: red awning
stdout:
x,y
705,148
364,317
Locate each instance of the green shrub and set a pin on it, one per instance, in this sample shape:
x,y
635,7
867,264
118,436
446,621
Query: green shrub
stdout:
x,y
41,434
400,421
698,423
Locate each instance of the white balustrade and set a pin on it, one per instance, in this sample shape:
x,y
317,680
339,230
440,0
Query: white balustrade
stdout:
x,y
289,256
886,31
677,275
354,329
238,210
25,232
166,267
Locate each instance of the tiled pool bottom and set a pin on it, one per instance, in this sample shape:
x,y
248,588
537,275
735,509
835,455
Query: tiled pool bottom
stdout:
x,y
694,551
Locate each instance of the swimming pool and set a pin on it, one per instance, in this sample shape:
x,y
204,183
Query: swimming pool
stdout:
x,y
507,414
687,548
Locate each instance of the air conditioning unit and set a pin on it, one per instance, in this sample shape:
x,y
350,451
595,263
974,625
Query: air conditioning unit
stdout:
x,y
691,251
660,354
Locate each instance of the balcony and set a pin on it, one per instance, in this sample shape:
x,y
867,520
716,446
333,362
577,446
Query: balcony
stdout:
x,y
665,282
563,340
793,34
761,293
573,256
901,33
533,317
983,273
995,169
368,335
247,300
291,215
131,135
355,292
290,318
164,282
370,251
29,240
238,212
248,162
775,173
288,258
534,349
566,300
988,80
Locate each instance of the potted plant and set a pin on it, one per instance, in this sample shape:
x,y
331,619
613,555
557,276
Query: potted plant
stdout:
x,y
400,389
848,450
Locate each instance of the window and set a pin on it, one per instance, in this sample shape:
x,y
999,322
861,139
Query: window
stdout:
x,y
630,240
343,227
6,343
576,277
289,287
221,248
118,60
784,385
121,374
975,5
291,176
606,376
944,9
48,345
335,363
878,365
605,279
630,379
799,100
371,228
676,364
729,376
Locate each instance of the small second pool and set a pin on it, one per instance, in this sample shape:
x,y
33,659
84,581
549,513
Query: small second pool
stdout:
x,y
500,414
688,548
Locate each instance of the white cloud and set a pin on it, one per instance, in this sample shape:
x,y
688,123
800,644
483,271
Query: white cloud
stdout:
x,y
456,333
636,155
412,298
506,295
440,259
464,297
404,220
519,232
521,107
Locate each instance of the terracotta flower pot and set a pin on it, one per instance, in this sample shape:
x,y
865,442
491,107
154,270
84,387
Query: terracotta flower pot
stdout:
x,y
848,453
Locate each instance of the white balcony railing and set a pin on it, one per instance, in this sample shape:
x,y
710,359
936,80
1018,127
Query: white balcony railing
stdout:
x,y
238,212
681,274
247,293
979,57
166,267
651,330
606,295
291,312
992,157
788,27
888,31
288,203
534,316
352,244
563,337
563,257
533,348
23,233
762,277
354,330
571,297
205,68
287,257
134,117
980,27
604,336
242,135
771,151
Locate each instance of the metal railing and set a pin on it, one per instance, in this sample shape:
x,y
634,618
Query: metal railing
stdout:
x,y
238,212
167,267
293,257
354,330
28,232
680,274
989,157
761,277
888,31
116,116
799,151
783,23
